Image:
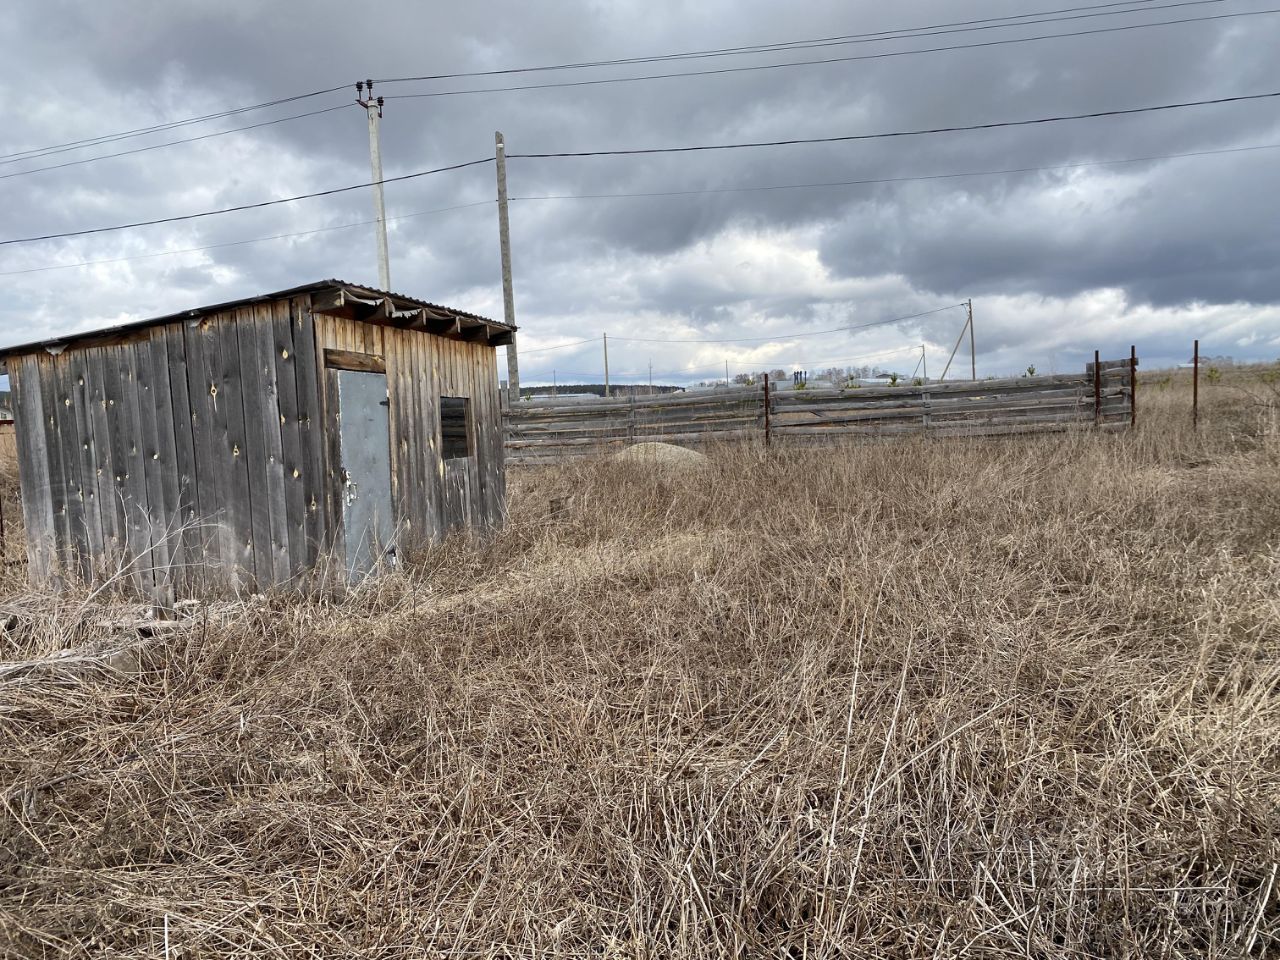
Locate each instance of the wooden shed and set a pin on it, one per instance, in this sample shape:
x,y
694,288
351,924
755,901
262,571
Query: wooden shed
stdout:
x,y
240,446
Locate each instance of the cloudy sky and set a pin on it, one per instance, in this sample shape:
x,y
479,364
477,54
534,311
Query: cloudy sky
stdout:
x,y
1064,256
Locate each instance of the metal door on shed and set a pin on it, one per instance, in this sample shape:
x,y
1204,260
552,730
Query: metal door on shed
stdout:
x,y
366,469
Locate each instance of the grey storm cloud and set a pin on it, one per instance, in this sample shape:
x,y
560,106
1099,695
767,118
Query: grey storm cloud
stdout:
x,y
730,252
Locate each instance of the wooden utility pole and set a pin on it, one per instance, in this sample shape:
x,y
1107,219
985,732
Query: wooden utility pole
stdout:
x,y
605,338
504,242
973,354
373,107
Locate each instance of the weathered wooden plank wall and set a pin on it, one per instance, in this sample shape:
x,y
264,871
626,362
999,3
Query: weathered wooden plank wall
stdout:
x,y
541,432
204,454
431,495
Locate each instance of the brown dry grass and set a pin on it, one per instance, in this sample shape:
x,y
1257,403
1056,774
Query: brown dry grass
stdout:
x,y
916,699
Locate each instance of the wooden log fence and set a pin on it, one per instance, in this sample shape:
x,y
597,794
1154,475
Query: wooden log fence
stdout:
x,y
1102,396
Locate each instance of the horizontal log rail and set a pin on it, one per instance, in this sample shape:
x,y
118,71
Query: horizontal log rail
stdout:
x,y
538,432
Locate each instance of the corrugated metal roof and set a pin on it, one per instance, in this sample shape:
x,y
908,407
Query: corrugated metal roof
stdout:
x,y
399,301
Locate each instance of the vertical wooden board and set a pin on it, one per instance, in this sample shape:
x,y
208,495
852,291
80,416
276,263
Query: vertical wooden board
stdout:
x,y
310,428
40,370
110,512
273,437
65,457
152,398
414,377
397,430
169,350
134,481
209,430
435,348
498,463
231,443
33,470
494,465
78,380
429,428
258,406
333,466
113,390
284,356
163,471
122,560
327,335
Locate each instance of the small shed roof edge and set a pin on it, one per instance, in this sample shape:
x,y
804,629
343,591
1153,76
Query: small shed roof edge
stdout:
x,y
353,292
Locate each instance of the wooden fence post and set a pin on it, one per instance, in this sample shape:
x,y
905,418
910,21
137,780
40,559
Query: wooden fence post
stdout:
x,y
1097,389
631,422
1195,386
767,436
1133,385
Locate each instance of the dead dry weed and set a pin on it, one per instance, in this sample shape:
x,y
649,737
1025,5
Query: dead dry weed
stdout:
x,y
921,699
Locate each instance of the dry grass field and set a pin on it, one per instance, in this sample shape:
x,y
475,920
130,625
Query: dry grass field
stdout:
x,y
946,698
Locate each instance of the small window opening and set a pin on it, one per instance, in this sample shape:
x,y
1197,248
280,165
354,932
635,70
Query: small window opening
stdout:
x,y
455,438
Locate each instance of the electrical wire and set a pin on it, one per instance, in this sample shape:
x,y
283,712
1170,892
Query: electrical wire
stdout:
x,y
847,138
827,60
912,179
654,194
34,152
558,346
987,23
794,336
241,243
781,338
173,143
246,206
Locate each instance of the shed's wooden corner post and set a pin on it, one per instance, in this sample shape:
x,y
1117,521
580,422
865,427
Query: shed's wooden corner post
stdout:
x,y
1097,389
768,436
1133,385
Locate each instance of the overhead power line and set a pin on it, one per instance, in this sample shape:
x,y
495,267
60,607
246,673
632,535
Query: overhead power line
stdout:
x,y
987,23
782,337
172,143
847,138
241,243
657,150
794,336
910,179
827,60
35,152
245,206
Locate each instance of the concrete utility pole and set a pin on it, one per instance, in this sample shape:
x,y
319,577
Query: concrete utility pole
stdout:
x,y
605,338
373,107
924,361
504,242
